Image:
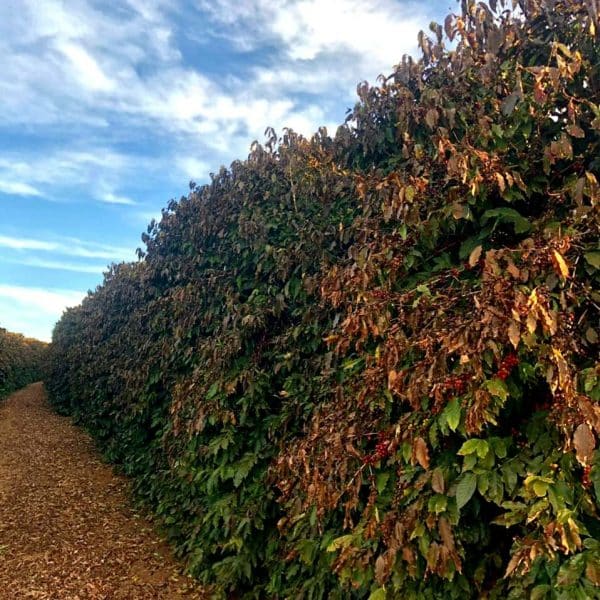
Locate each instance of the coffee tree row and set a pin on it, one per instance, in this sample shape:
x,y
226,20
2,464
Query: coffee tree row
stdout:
x,y
21,361
367,366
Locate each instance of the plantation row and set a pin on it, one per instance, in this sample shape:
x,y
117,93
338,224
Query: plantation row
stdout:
x,y
367,366
21,361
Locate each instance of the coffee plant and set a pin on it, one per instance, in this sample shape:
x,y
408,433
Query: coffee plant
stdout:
x,y
21,361
367,366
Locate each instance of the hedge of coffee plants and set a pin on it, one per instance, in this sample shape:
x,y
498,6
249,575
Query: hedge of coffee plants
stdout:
x,y
21,361
367,366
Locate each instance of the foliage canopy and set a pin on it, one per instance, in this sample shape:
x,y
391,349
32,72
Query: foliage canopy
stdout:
x,y
21,361
367,366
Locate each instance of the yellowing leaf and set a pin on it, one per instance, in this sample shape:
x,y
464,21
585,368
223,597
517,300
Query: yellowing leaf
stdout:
x,y
475,256
560,264
378,594
392,376
540,488
563,369
531,322
501,182
460,211
341,542
514,333
592,572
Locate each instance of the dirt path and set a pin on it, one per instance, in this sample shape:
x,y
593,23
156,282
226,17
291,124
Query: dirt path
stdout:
x,y
67,530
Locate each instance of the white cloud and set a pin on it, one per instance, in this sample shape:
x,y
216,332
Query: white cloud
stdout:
x,y
375,33
86,69
18,188
73,247
94,172
26,244
30,310
132,66
192,168
61,266
111,198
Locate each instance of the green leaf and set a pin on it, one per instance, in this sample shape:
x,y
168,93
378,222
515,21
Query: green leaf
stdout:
x,y
243,467
437,504
593,258
539,592
483,483
509,103
595,479
499,446
212,391
474,446
465,489
482,448
469,447
452,413
378,594
382,479
507,215
497,388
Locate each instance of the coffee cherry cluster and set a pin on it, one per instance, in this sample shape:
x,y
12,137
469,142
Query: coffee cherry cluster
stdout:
x,y
382,451
381,294
507,365
586,482
456,383
568,322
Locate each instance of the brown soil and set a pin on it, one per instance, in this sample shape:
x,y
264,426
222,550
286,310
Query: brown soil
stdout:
x,y
67,528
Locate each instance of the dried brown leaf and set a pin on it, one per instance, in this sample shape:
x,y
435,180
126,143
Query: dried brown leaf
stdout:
x,y
584,443
421,452
437,481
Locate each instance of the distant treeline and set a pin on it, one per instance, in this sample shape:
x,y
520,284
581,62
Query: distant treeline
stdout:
x,y
21,361
366,366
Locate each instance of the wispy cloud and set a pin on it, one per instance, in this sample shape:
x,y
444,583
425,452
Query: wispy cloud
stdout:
x,y
60,265
73,247
18,188
111,198
26,243
85,67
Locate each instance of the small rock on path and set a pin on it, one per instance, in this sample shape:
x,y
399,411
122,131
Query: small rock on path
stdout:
x,y
67,529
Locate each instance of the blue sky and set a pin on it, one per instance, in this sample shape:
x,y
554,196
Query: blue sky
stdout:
x,y
109,108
